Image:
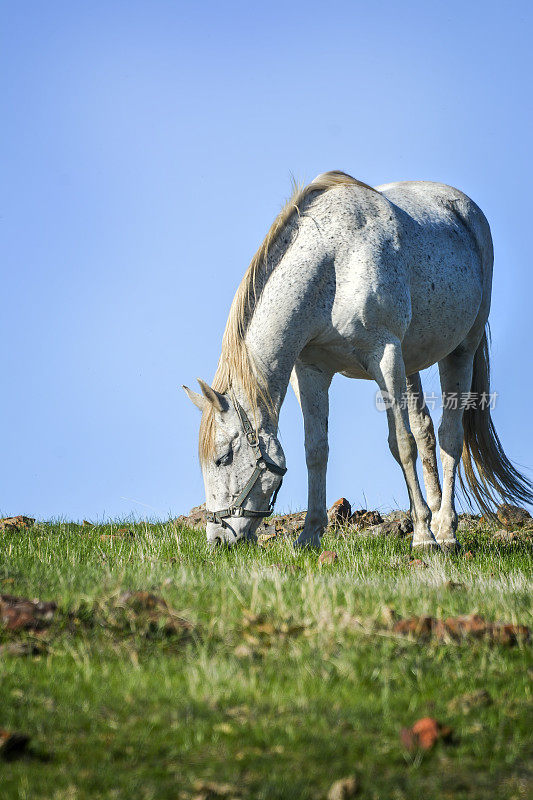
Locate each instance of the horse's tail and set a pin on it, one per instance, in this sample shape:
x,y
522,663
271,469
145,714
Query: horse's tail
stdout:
x,y
491,472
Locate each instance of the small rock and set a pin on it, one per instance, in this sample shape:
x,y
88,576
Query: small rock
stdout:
x,y
12,745
424,734
339,513
467,522
362,519
327,557
394,528
13,523
400,516
268,538
513,515
289,524
344,789
195,519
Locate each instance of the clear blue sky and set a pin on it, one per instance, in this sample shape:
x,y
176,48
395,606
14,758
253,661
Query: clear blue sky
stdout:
x,y
147,146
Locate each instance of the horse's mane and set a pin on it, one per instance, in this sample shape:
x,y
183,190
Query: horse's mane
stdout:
x,y
235,363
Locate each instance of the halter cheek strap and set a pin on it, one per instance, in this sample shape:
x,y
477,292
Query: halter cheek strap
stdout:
x,y
262,464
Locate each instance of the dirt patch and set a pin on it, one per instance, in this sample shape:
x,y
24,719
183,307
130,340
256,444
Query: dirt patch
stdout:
x,y
464,627
20,613
147,614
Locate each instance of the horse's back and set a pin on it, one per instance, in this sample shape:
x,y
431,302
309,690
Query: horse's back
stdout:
x,y
448,245
439,206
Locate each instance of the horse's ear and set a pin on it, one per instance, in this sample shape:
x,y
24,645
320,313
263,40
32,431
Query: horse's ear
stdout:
x,y
198,399
212,396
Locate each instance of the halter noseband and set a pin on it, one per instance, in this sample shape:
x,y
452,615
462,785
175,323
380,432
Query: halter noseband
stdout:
x,y
262,463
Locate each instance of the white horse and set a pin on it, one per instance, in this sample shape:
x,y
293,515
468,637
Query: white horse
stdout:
x,y
374,283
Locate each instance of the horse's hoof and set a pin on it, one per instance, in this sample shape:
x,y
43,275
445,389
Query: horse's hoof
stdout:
x,y
222,542
450,546
307,544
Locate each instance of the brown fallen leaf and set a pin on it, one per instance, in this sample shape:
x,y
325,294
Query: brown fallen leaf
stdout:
x,y
417,563
424,734
327,557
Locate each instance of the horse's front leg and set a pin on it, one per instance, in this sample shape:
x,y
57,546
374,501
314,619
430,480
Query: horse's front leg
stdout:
x,y
311,386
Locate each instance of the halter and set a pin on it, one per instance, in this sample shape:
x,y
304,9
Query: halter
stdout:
x,y
262,463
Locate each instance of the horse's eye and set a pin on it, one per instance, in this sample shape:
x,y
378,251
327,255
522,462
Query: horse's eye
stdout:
x,y
224,460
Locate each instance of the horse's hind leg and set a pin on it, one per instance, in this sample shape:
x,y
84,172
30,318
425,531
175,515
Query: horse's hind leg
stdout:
x,y
387,368
424,433
456,380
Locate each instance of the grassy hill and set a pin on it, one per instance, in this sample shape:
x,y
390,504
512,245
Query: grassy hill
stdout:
x,y
169,671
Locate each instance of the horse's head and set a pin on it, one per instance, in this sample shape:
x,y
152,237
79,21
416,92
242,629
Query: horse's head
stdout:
x,y
242,467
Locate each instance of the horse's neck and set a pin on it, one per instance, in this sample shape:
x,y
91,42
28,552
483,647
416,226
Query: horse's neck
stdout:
x,y
283,321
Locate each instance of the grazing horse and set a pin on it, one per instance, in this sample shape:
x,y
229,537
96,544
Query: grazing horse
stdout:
x,y
374,283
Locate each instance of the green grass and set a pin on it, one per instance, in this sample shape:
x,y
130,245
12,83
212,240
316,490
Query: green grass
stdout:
x,y
312,688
